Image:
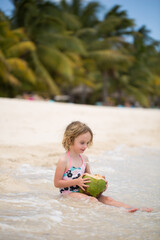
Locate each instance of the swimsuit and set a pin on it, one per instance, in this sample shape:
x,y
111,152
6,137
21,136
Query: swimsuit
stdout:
x,y
72,173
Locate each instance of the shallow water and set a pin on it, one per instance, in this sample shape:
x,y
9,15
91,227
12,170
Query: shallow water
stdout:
x,y
40,213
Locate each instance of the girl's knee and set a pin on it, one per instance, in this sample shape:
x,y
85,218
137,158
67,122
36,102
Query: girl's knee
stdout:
x,y
93,199
105,199
110,199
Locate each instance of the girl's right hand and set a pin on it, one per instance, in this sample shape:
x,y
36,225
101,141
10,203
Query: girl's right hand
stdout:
x,y
81,182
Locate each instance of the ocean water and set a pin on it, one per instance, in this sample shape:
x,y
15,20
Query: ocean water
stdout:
x,y
40,213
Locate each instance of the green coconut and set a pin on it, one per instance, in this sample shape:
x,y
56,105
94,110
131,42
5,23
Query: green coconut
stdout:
x,y
96,186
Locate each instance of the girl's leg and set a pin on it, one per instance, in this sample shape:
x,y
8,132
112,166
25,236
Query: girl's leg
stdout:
x,y
110,201
82,196
104,199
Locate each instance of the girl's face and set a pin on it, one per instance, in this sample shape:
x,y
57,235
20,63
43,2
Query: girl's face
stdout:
x,y
81,143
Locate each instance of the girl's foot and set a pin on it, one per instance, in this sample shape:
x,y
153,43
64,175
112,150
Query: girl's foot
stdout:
x,y
131,210
146,209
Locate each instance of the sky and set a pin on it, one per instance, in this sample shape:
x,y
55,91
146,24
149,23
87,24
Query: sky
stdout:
x,y
144,12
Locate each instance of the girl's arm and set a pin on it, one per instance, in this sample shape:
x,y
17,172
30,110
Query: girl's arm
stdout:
x,y
60,183
87,170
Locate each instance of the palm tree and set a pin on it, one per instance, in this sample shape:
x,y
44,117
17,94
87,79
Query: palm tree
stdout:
x,y
41,23
82,26
14,71
53,33
107,47
142,77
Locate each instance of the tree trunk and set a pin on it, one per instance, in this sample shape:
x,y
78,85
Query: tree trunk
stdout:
x,y
104,87
83,95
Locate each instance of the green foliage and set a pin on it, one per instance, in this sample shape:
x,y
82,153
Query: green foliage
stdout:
x,y
56,61
51,47
71,21
108,59
20,69
5,75
44,79
20,49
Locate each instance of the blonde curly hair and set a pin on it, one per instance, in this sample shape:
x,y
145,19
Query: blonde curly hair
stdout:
x,y
72,131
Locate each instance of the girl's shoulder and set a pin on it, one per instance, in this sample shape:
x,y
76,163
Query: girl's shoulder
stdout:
x,y
63,158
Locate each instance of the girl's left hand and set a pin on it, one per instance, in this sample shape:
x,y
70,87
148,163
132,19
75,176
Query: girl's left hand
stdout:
x,y
106,183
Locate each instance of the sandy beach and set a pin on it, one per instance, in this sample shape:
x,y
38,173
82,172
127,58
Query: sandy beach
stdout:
x,y
30,145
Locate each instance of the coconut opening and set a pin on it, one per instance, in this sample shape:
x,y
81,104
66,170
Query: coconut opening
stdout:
x,y
96,176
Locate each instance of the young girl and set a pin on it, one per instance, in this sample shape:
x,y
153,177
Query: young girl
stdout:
x,y
73,164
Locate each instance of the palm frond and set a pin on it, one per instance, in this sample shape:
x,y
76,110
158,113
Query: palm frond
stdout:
x,y
63,42
141,97
71,21
156,80
108,27
13,80
5,75
89,16
20,69
20,49
74,58
111,59
64,5
43,75
76,7
7,37
86,33
106,43
45,25
56,61
20,33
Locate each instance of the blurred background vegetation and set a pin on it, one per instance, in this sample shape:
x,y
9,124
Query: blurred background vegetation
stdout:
x,y
63,51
